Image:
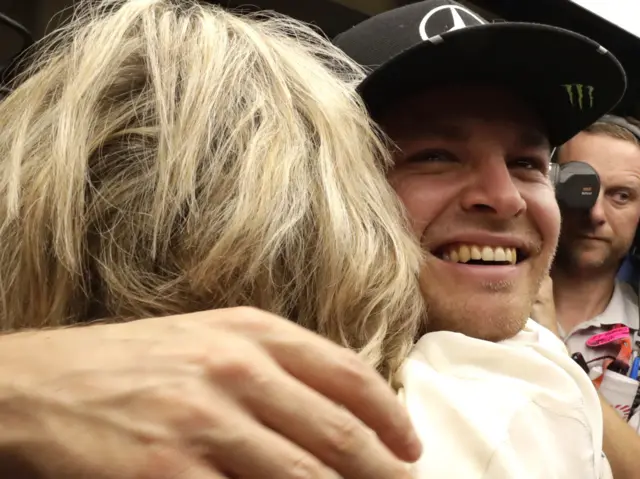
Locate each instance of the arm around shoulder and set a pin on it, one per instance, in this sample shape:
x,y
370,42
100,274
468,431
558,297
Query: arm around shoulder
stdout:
x,y
621,444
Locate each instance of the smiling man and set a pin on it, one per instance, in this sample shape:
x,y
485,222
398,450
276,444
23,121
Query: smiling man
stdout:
x,y
474,110
471,170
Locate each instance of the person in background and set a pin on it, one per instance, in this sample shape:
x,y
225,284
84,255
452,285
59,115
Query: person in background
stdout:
x,y
592,246
474,109
583,300
169,159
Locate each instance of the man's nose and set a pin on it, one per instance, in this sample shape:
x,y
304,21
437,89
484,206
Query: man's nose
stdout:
x,y
597,213
491,189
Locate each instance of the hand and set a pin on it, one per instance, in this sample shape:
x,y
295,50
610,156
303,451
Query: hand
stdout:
x,y
544,309
235,393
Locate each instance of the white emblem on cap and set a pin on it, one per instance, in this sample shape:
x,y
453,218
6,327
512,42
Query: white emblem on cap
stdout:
x,y
458,22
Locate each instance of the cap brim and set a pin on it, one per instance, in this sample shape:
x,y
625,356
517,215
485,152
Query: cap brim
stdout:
x,y
570,80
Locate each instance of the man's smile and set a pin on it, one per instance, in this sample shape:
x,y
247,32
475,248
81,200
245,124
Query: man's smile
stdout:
x,y
484,257
480,255
483,249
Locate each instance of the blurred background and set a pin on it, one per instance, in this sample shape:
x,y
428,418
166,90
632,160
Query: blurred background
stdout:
x,y
612,23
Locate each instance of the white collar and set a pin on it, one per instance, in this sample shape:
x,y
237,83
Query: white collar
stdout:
x,y
622,309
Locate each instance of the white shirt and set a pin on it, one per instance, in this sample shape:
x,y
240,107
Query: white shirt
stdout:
x,y
518,409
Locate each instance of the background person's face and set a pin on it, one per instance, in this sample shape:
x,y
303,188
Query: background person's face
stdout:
x,y
472,172
599,239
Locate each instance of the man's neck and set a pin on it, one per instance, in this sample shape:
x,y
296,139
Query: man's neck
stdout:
x,y
581,296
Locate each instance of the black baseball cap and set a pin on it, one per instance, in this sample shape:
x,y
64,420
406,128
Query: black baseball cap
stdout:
x,y
569,79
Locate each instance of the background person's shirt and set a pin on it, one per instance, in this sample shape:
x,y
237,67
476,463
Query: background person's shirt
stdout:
x,y
622,309
521,408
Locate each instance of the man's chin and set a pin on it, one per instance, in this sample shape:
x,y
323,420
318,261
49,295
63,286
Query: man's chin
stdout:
x,y
590,262
585,258
489,324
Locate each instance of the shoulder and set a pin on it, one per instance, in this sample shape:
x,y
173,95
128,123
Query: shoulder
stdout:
x,y
629,298
540,432
474,403
461,426
628,292
546,338
459,403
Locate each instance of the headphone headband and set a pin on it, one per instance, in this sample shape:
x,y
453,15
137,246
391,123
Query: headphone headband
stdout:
x,y
622,123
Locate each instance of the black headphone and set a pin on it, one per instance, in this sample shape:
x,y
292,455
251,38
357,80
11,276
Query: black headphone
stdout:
x,y
578,184
11,68
623,123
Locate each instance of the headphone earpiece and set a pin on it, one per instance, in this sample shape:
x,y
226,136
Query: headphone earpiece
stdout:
x,y
577,184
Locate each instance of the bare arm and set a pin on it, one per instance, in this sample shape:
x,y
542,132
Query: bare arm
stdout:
x,y
225,393
17,430
621,444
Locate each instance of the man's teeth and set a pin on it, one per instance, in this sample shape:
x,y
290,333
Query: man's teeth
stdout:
x,y
466,253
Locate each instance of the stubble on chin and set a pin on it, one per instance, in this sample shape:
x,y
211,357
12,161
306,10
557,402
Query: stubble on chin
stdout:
x,y
499,311
498,319
570,258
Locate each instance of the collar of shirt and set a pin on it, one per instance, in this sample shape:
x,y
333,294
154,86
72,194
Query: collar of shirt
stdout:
x,y
622,309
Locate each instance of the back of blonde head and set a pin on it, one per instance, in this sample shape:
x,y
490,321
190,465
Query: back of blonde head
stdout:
x,y
163,157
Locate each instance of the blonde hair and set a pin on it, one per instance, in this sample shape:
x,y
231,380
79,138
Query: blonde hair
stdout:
x,y
163,157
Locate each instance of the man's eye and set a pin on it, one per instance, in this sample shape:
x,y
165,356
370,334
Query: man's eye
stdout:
x,y
621,196
431,156
530,164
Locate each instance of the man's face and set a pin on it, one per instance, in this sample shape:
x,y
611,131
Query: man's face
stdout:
x,y
599,239
472,172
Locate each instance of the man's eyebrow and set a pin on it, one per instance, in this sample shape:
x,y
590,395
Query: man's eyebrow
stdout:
x,y
530,138
534,139
440,131
631,182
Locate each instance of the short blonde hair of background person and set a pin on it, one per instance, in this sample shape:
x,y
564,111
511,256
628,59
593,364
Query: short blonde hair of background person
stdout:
x,y
162,157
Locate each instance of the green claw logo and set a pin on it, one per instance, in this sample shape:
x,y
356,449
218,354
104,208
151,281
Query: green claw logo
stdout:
x,y
580,95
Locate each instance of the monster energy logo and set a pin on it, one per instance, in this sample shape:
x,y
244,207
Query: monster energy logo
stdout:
x,y
580,95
